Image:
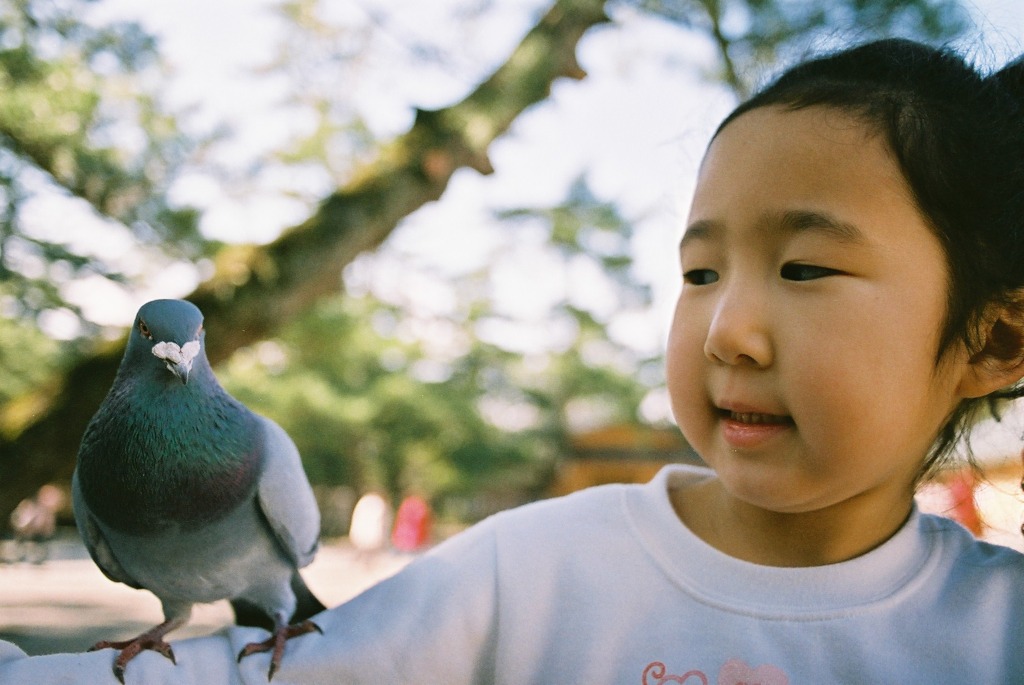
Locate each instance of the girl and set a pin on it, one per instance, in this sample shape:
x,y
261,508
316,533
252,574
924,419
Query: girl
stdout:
x,y
852,268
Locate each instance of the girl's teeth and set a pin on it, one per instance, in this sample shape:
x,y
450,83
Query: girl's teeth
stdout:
x,y
746,417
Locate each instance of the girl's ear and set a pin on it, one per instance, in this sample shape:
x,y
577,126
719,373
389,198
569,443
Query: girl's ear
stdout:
x,y
999,361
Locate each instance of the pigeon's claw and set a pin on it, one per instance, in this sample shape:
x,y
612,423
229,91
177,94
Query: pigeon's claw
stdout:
x,y
275,643
152,639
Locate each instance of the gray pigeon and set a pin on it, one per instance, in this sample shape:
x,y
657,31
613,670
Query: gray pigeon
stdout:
x,y
181,490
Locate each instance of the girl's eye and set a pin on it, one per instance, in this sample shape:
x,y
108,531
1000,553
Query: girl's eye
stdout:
x,y
700,276
805,272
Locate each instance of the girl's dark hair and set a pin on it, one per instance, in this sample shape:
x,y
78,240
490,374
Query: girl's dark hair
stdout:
x,y
958,136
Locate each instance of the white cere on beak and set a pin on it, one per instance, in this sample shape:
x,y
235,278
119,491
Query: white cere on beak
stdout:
x,y
170,352
177,356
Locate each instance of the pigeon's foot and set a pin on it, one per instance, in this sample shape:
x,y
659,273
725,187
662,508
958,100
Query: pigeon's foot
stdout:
x,y
275,643
152,639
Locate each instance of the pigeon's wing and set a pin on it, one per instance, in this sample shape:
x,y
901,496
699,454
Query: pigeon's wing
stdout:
x,y
94,541
285,496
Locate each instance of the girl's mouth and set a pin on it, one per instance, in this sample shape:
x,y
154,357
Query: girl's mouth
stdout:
x,y
750,430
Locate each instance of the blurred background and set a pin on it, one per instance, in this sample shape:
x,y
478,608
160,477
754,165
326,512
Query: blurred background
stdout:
x,y
434,241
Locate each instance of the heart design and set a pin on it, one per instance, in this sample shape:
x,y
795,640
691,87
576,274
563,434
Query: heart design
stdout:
x,y
737,672
658,672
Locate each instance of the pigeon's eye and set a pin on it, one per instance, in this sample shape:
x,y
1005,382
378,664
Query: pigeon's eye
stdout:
x,y
144,329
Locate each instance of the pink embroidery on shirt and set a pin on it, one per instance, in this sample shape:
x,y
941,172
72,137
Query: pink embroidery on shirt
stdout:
x,y
658,672
736,672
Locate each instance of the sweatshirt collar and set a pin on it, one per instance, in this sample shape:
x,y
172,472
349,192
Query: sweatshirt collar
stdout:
x,y
715,578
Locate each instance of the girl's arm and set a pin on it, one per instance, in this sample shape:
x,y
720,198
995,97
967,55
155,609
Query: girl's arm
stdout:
x,y
200,660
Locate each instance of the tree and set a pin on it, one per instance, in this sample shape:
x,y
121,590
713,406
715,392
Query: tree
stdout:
x,y
80,127
371,408
380,394
255,290
751,33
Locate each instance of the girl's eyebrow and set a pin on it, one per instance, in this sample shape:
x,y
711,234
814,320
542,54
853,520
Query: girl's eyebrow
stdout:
x,y
790,221
804,220
702,229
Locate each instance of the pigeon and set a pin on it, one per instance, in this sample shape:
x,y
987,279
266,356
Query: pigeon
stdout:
x,y
181,490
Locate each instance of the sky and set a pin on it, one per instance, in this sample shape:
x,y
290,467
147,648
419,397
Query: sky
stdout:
x,y
638,124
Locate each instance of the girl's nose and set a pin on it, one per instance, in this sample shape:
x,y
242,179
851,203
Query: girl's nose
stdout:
x,y
738,333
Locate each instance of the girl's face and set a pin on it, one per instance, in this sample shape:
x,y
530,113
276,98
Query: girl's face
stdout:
x,y
801,361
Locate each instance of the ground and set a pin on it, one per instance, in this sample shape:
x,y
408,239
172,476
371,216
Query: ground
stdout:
x,y
67,605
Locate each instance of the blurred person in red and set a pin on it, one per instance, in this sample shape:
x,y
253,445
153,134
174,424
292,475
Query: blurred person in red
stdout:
x,y
412,525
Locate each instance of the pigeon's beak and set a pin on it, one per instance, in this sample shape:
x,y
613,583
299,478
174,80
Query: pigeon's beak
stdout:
x,y
180,369
178,360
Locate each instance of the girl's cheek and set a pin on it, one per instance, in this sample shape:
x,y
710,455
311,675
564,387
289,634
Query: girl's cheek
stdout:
x,y
684,353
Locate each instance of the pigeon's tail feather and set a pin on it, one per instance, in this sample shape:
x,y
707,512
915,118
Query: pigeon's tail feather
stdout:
x,y
306,605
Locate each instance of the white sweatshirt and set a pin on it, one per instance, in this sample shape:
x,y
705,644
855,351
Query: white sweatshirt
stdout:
x,y
608,586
